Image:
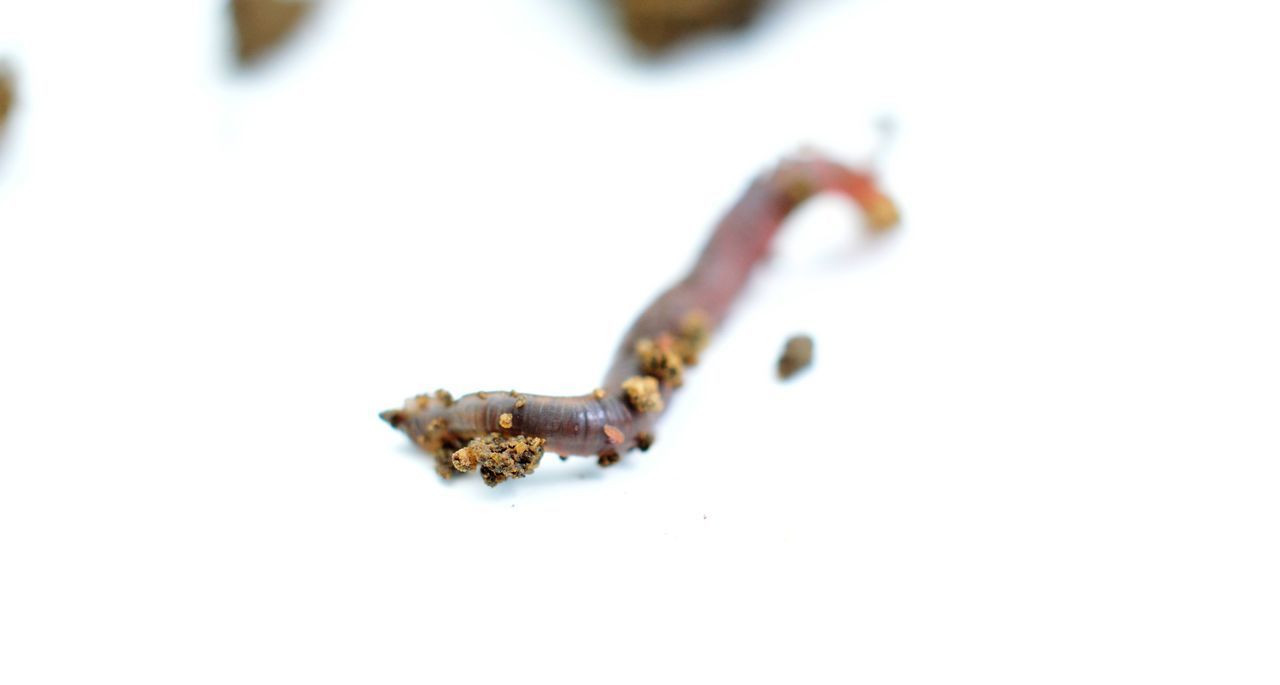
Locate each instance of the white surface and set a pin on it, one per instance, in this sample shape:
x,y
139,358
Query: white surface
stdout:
x,y
1039,444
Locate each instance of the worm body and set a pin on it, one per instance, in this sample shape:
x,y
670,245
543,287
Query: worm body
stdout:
x,y
477,430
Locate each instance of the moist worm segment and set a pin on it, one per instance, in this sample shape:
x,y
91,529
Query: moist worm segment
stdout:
x,y
503,434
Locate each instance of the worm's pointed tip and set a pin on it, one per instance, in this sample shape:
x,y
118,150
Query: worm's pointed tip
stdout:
x,y
394,417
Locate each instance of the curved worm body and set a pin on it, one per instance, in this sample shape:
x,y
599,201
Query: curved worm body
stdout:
x,y
488,429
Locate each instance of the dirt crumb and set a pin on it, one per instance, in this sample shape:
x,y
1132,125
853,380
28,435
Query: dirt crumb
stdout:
x,y
613,435
466,459
608,457
6,93
500,458
505,421
657,24
642,392
263,25
882,213
797,355
644,441
693,336
660,360
423,401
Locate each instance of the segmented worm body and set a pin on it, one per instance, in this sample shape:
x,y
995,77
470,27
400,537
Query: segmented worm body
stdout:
x,y
503,434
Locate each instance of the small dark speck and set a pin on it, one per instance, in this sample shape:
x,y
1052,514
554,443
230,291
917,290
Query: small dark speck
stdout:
x,y
704,516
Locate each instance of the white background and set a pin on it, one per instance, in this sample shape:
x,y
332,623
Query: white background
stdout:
x,y
1039,444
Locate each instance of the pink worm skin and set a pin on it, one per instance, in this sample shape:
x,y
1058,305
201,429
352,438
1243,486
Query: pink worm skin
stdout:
x,y
576,425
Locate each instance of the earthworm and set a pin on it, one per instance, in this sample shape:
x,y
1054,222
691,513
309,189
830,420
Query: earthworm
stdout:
x,y
505,433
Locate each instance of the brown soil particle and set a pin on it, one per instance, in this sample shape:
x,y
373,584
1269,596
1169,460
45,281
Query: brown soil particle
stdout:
x,y
614,435
660,360
6,93
466,459
796,356
642,392
883,214
608,457
693,336
500,458
644,441
263,25
657,24
505,421
421,402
